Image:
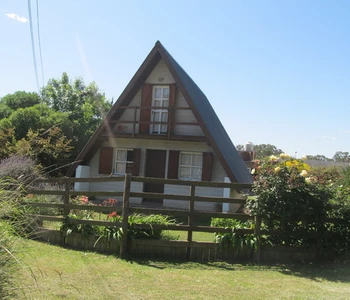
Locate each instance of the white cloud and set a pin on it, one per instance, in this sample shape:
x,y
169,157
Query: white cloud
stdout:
x,y
17,18
344,131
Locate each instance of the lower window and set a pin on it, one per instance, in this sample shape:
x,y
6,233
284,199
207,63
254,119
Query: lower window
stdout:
x,y
190,166
124,161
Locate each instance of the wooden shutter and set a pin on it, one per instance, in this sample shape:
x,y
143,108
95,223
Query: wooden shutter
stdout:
x,y
173,164
171,112
207,166
136,162
146,101
106,160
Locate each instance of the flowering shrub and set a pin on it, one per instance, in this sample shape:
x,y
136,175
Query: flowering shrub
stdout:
x,y
289,200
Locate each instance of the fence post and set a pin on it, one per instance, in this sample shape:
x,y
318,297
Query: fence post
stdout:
x,y
257,221
125,214
190,220
66,199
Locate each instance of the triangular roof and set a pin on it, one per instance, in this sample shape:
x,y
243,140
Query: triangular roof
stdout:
x,y
216,134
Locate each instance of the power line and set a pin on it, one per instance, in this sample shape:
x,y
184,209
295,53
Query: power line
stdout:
x,y
39,41
33,48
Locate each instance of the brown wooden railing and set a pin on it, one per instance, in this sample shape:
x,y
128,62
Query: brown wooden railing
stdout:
x,y
126,209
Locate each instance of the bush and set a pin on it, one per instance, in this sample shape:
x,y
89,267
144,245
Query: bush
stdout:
x,y
22,169
151,233
289,201
235,239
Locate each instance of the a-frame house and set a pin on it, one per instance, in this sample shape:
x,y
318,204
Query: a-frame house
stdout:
x,y
162,126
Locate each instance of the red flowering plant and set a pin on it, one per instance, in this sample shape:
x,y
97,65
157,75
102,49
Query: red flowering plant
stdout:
x,y
113,216
82,214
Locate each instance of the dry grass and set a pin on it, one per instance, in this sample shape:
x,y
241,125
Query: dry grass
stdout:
x,y
62,273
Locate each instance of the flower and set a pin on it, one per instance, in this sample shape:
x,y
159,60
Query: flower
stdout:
x,y
273,158
113,214
284,155
277,169
308,180
303,173
84,199
253,171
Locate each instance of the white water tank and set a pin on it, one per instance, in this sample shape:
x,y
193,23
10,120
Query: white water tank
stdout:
x,y
249,147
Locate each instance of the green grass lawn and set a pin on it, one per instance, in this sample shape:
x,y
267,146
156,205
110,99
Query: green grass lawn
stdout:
x,y
62,273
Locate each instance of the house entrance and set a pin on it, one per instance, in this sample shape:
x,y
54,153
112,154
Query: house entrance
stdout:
x,y
155,167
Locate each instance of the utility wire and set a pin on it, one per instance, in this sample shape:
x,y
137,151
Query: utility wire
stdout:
x,y
41,57
33,48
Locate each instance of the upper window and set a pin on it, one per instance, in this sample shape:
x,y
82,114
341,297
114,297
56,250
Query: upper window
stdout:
x,y
160,100
124,161
190,167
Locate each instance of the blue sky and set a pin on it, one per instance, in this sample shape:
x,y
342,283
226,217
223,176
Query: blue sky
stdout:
x,y
275,71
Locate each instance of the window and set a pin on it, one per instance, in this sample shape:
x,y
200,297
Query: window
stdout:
x,y
160,99
124,161
190,166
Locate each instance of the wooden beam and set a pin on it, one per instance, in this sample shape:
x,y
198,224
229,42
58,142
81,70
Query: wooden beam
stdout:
x,y
186,197
232,185
125,220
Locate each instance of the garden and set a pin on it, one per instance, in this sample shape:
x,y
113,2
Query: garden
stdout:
x,y
299,207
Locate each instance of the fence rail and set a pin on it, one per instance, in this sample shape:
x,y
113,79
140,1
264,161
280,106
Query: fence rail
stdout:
x,y
126,209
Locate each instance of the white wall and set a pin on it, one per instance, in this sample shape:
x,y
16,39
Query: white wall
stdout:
x,y
187,116
82,172
162,72
218,173
128,115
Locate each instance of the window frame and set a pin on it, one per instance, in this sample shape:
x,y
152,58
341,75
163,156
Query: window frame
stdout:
x,y
162,128
115,161
191,166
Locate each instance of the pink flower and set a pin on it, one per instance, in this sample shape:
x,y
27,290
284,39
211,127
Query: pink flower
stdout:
x,y
113,214
84,199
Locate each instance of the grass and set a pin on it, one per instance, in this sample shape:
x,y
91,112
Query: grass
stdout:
x,y
63,273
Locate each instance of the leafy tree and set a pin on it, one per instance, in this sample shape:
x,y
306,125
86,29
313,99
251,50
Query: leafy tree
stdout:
x,y
85,106
20,99
36,117
239,147
318,157
263,150
341,156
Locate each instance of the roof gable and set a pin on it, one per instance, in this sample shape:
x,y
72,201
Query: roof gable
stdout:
x,y
216,134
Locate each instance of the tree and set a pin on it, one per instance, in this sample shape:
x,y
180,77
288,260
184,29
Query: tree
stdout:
x,y
263,150
318,157
37,117
85,106
239,147
341,156
20,99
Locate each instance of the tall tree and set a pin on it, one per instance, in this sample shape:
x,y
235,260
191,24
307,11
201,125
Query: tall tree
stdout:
x,y
85,105
263,150
318,157
19,99
341,156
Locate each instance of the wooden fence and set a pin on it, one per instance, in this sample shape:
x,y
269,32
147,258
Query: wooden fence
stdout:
x,y
127,209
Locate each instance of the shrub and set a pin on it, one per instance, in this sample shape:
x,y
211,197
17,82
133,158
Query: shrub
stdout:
x,y
235,239
151,233
22,169
289,201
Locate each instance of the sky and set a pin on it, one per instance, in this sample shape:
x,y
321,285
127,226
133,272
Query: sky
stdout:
x,y
275,72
